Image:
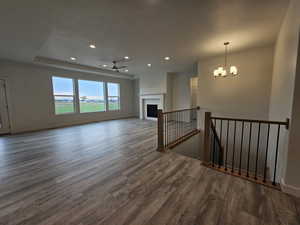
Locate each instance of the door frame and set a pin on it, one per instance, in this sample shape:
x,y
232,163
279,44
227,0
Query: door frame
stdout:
x,y
8,102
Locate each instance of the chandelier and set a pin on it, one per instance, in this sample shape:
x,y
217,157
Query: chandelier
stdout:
x,y
222,71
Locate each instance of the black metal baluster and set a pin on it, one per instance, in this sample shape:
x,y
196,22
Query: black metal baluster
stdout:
x,y
276,155
266,157
234,134
241,150
257,151
164,125
190,124
182,123
226,145
174,127
221,132
171,127
177,125
187,125
196,119
192,119
211,147
249,149
166,130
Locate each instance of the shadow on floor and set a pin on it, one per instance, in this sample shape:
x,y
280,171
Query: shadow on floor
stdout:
x,y
191,147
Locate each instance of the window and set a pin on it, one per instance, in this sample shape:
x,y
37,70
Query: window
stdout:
x,y
63,91
91,96
113,96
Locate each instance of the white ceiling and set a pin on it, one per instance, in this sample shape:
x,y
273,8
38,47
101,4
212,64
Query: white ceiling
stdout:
x,y
145,30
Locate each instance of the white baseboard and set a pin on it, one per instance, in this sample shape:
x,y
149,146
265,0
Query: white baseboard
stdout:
x,y
290,189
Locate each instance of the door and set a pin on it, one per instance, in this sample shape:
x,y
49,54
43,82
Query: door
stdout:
x,y
4,119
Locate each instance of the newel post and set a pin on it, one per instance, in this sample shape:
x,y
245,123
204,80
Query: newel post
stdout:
x,y
206,143
160,131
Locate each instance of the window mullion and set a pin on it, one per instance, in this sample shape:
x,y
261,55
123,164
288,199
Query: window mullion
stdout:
x,y
106,96
76,96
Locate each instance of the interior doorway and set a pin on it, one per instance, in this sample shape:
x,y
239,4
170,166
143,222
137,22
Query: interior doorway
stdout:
x,y
4,116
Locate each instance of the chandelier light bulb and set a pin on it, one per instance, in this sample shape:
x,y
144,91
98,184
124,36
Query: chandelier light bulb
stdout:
x,y
224,73
216,73
233,70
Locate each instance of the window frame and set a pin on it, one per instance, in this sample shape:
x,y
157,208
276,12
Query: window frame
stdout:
x,y
104,96
74,96
108,96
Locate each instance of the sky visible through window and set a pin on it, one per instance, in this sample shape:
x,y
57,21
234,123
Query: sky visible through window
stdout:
x,y
113,89
63,86
91,89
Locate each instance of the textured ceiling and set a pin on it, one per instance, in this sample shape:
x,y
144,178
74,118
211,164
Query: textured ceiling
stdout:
x,y
145,30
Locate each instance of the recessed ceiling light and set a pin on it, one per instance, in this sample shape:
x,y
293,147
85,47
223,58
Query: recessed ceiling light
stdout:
x,y
73,58
92,46
167,58
104,65
149,65
126,57
126,71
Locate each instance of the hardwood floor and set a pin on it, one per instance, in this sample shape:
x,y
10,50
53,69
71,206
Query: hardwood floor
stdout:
x,y
109,173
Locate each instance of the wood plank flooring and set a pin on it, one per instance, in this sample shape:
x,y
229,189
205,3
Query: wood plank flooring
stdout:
x,y
109,173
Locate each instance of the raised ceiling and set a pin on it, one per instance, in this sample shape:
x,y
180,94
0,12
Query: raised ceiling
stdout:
x,y
145,30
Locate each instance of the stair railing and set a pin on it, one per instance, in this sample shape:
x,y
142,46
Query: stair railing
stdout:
x,y
175,127
244,147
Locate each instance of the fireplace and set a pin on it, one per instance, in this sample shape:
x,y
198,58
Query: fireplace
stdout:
x,y
150,104
152,110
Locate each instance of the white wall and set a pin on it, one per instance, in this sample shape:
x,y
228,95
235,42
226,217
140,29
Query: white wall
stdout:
x,y
181,91
169,94
293,159
245,96
285,97
175,86
31,100
194,91
137,97
153,83
283,86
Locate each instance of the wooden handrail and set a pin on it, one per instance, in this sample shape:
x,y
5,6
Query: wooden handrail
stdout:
x,y
181,110
285,123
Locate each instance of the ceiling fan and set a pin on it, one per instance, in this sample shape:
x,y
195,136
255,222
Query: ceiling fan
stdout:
x,y
117,68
